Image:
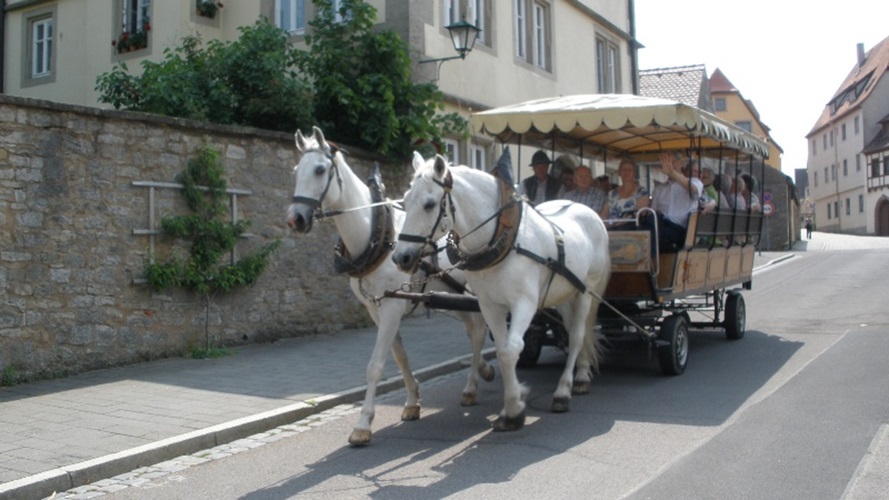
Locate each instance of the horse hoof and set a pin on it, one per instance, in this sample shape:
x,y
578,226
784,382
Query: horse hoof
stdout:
x,y
509,424
360,437
560,404
410,413
487,373
468,399
581,387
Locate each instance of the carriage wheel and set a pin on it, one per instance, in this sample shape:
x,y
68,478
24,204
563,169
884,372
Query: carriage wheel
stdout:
x,y
735,316
531,352
673,354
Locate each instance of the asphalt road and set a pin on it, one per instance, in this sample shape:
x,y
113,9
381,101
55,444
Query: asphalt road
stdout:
x,y
796,409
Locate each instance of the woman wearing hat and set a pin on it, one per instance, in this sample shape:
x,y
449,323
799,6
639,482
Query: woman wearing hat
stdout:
x,y
541,186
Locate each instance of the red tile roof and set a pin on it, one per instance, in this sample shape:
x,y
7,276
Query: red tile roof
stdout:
x,y
857,86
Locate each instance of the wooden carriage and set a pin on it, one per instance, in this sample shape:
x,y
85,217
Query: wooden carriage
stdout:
x,y
656,297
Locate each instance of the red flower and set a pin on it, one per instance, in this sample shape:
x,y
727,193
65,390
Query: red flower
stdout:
x,y
147,27
219,4
113,42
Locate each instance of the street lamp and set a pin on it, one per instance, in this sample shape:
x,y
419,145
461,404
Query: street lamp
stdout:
x,y
463,36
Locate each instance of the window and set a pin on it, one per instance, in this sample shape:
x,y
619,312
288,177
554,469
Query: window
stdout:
x,y
824,140
856,125
843,131
833,172
816,179
831,138
745,124
720,104
451,151
836,209
336,6
860,203
885,165
875,167
826,178
135,25
41,47
814,147
848,207
477,157
858,163
845,167
290,16
828,211
607,66
540,35
521,47
532,33
476,12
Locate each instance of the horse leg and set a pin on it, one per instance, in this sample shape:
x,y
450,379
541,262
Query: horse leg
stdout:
x,y
577,333
509,345
387,317
411,409
590,353
476,329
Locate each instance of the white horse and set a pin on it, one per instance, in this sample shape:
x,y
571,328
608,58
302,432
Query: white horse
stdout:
x,y
558,257
323,179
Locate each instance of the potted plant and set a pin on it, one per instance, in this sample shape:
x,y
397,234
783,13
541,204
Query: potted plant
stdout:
x,y
208,8
130,41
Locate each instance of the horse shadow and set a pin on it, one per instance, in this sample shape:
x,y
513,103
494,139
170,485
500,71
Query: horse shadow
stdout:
x,y
458,443
463,452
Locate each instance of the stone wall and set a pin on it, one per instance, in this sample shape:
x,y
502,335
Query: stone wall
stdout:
x,y
71,258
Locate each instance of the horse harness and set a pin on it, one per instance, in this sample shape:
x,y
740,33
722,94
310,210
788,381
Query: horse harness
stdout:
x,y
382,236
503,240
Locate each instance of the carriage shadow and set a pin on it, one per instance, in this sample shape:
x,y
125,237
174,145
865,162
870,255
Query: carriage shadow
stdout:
x,y
464,453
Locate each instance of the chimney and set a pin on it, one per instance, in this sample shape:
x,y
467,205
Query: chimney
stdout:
x,y
860,55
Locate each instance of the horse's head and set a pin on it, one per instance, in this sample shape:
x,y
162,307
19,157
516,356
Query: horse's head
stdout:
x,y
317,178
428,211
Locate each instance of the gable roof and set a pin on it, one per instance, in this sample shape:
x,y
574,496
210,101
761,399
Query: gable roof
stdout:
x,y
685,84
721,85
857,86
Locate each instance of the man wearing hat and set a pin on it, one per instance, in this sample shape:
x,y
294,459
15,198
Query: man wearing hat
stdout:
x,y
541,186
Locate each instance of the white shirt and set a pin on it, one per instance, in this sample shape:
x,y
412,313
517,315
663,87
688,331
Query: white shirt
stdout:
x,y
675,202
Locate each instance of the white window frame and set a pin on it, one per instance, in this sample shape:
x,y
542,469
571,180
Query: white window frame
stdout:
x,y
295,22
607,66
540,35
521,28
134,15
451,151
475,12
42,34
478,157
719,104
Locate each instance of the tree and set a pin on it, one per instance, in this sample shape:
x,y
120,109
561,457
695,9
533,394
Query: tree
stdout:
x,y
250,82
211,236
362,85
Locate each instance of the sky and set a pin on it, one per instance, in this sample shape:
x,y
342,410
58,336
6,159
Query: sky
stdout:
x,y
789,58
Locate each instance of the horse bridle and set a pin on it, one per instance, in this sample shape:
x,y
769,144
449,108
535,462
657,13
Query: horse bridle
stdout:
x,y
316,204
446,200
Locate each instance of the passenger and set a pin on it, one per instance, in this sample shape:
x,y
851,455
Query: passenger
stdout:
x,y
749,193
567,178
737,194
707,178
541,186
674,201
626,199
586,193
722,184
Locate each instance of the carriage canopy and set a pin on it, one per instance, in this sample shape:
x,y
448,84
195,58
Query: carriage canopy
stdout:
x,y
616,122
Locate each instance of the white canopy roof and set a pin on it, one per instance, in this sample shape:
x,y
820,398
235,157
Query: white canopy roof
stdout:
x,y
618,122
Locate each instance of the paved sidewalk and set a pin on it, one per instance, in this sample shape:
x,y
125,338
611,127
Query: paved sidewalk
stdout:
x,y
59,434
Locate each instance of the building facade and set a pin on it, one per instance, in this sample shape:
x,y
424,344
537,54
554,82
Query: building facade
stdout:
x,y
526,49
847,193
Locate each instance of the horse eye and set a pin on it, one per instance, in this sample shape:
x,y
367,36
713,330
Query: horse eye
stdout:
x,y
319,170
429,206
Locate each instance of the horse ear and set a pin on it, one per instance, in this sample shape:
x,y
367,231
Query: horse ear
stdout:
x,y
441,165
319,138
300,140
417,161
